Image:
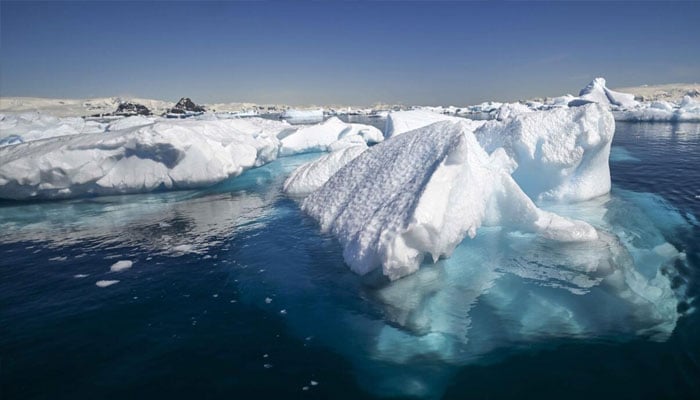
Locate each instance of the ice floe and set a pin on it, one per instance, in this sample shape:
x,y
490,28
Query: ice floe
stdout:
x,y
141,154
421,193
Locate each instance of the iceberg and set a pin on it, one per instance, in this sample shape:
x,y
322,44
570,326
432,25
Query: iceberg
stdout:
x,y
688,110
295,115
324,136
404,121
166,155
26,127
423,192
560,154
597,92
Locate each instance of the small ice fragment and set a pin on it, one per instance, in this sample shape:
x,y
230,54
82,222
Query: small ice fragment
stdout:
x,y
305,388
314,383
183,248
80,276
268,300
104,284
232,301
215,295
267,366
58,258
121,265
283,312
265,355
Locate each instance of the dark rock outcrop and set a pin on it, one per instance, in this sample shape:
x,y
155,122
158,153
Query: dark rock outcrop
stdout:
x,y
127,108
184,105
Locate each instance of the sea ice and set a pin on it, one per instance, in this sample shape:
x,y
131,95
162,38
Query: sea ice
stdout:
x,y
332,133
597,92
104,284
121,265
421,193
166,155
561,154
404,121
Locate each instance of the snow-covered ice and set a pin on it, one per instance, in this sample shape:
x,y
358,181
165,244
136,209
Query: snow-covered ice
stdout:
x,y
421,193
167,155
560,155
332,133
404,121
121,265
104,284
311,176
597,92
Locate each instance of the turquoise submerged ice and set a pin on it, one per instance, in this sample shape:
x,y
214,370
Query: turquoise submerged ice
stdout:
x,y
508,239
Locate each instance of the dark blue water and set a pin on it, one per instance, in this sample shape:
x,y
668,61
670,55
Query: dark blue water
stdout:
x,y
234,293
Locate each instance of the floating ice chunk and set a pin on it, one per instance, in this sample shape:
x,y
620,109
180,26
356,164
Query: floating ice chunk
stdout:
x,y
597,92
78,276
104,284
688,110
421,193
311,176
368,133
183,248
561,154
121,265
166,155
303,115
404,121
509,110
332,133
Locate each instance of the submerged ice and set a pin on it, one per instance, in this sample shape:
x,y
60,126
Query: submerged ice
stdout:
x,y
422,192
548,243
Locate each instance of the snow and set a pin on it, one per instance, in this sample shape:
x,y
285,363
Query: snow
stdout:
x,y
311,176
561,154
130,122
121,266
323,136
33,126
303,115
597,92
104,284
165,155
688,110
421,193
404,121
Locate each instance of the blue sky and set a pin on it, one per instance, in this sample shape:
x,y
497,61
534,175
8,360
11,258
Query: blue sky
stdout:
x,y
342,52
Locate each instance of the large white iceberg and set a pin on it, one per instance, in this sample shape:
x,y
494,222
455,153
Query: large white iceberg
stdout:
x,y
167,155
561,154
422,193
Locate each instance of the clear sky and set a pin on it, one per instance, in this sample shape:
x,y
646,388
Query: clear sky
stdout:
x,y
342,52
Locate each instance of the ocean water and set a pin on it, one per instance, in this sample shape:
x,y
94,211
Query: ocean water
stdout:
x,y
234,293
